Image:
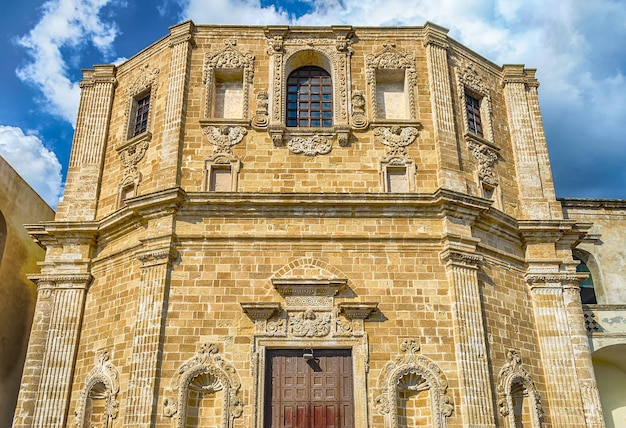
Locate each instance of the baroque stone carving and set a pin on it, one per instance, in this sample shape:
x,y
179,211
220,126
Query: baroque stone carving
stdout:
x,y
511,374
105,375
486,157
261,118
224,137
228,58
221,376
310,146
359,119
310,324
391,58
130,155
412,372
468,78
397,138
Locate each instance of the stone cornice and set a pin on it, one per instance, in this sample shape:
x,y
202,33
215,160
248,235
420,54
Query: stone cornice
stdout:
x,y
358,310
157,204
563,232
51,233
260,311
308,287
61,281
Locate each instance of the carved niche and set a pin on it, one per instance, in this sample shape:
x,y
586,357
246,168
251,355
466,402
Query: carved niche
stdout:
x,y
391,58
229,59
218,375
412,372
514,378
397,139
102,383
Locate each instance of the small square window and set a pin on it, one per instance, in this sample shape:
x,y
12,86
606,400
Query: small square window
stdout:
x,y
397,181
220,180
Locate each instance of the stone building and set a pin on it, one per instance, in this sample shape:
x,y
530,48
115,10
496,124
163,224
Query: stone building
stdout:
x,y
310,227
19,255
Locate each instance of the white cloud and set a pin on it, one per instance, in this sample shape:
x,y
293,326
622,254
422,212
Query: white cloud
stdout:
x,y
37,165
65,24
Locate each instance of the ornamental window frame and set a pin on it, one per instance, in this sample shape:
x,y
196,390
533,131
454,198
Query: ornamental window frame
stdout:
x,y
102,383
471,83
144,86
301,99
513,379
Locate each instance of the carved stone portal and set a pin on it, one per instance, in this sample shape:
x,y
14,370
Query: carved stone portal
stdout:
x,y
412,372
102,383
219,376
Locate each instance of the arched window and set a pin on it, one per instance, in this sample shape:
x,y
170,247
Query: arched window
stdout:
x,y
587,292
309,98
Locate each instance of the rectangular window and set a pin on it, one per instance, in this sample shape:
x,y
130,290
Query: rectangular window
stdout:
x,y
220,179
140,116
474,122
397,181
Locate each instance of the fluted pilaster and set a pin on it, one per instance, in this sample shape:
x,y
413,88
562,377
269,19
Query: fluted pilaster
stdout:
x,y
147,344
82,186
536,189
47,379
471,349
181,43
442,104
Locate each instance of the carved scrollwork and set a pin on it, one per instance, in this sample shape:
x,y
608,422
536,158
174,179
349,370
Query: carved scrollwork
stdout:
x,y
218,375
261,118
310,324
486,157
224,137
469,79
359,119
397,139
512,374
106,374
412,372
310,146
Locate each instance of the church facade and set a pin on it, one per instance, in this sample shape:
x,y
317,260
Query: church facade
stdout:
x,y
313,227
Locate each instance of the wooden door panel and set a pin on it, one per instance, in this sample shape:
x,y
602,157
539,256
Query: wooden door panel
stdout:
x,y
309,394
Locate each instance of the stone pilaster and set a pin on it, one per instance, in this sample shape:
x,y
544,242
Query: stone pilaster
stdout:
x,y
471,349
147,342
47,379
82,186
181,43
534,179
442,104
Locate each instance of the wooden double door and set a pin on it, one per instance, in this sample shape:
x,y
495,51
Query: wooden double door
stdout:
x,y
309,393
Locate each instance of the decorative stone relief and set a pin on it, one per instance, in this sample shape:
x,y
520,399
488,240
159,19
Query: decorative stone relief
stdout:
x,y
397,139
486,157
228,58
223,377
224,137
310,146
261,118
130,155
359,119
391,58
510,374
106,374
412,372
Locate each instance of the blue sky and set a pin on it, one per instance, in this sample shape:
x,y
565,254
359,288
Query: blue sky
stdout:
x,y
578,46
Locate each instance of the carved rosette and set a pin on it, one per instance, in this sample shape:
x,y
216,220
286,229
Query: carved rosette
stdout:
x,y
391,58
104,373
310,146
219,375
486,157
511,374
412,372
228,58
224,138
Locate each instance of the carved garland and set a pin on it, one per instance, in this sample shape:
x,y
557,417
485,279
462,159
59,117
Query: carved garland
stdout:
x,y
107,374
223,376
391,58
413,372
486,157
228,58
224,138
397,139
511,373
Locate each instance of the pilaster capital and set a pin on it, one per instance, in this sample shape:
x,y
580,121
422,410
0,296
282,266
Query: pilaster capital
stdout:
x,y
561,280
182,33
460,258
156,256
436,36
49,282
102,73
